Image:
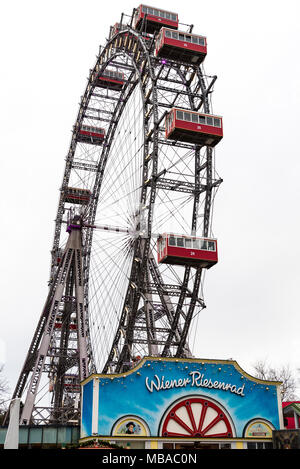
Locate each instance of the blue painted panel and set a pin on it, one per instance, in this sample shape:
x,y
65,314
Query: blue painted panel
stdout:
x,y
148,391
87,409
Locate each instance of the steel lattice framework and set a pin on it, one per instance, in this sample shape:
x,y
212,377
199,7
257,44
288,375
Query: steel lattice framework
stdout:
x,y
109,300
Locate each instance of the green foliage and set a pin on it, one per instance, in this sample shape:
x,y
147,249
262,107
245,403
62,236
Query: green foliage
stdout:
x,y
98,443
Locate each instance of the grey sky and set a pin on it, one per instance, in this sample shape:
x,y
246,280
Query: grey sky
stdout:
x,y
253,48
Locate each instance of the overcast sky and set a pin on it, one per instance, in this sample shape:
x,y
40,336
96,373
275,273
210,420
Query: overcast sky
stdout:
x,y
252,295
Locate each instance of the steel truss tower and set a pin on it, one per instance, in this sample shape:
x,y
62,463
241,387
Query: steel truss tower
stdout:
x,y
60,342
109,300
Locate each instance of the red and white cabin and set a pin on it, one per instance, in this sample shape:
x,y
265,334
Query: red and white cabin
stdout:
x,y
187,250
116,28
110,79
194,127
177,45
71,383
72,324
155,19
76,195
90,134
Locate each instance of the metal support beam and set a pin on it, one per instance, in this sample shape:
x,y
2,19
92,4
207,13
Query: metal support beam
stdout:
x,y
69,277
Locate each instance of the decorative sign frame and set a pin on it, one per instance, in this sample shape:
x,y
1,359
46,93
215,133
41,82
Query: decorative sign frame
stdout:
x,y
224,401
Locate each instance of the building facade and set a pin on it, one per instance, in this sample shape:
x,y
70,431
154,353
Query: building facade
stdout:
x,y
172,403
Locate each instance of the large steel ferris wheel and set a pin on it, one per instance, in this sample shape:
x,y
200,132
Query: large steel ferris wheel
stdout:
x,y
125,184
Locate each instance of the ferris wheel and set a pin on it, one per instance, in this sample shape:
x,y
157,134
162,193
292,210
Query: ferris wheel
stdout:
x,y
136,199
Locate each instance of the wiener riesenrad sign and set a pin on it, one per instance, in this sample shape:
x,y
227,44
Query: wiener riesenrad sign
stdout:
x,y
178,397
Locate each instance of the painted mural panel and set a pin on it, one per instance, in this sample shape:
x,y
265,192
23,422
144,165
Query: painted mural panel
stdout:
x,y
217,391
87,409
130,426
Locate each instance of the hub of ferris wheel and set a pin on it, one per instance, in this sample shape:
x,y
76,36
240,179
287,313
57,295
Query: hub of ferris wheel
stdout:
x,y
133,232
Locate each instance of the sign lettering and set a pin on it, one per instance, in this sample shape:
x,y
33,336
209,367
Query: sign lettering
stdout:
x,y
195,379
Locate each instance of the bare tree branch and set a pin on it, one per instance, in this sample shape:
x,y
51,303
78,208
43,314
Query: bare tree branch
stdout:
x,y
283,374
4,391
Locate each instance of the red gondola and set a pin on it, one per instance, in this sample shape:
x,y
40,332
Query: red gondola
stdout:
x,y
182,46
89,134
71,383
72,325
75,195
121,27
116,28
155,19
194,127
110,79
187,250
59,254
